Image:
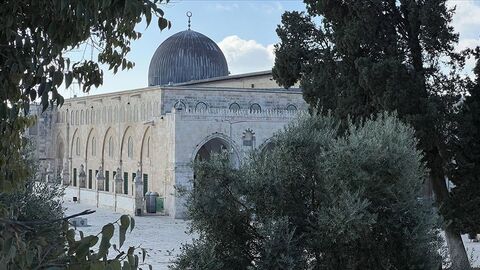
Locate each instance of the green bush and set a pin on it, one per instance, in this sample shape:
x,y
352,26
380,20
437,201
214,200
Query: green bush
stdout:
x,y
317,200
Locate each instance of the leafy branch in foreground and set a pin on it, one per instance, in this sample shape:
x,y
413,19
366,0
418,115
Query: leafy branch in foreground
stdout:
x,y
88,252
34,37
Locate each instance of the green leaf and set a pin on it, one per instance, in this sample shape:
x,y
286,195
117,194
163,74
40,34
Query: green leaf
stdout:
x,y
41,88
108,230
107,234
84,246
57,78
163,23
132,224
115,265
148,17
68,79
124,223
97,266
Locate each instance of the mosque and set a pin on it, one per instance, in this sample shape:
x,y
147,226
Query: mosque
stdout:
x,y
109,150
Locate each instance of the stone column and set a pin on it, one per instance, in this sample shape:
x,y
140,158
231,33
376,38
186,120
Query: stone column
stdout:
x,y
82,177
66,174
118,182
100,179
138,193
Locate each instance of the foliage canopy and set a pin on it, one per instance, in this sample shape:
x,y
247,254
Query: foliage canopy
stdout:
x,y
367,57
316,201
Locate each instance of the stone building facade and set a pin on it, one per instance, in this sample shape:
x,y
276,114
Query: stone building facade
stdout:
x,y
111,149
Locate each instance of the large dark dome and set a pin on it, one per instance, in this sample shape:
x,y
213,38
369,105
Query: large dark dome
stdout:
x,y
186,56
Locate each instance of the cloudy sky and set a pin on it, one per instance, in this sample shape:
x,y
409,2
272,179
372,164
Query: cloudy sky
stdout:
x,y
244,30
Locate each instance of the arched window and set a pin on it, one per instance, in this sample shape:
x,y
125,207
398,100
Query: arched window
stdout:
x,y
77,147
110,147
87,116
179,106
76,118
72,120
248,137
255,108
234,107
81,117
291,108
94,146
201,106
130,147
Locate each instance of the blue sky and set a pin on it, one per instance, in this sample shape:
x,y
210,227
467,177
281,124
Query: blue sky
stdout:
x,y
244,30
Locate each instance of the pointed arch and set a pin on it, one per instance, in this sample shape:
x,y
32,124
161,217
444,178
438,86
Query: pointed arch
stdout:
x,y
267,145
130,147
109,135
218,139
87,143
124,138
60,153
146,144
72,144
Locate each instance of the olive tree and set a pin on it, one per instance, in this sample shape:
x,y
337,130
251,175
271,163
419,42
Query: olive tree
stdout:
x,y
317,200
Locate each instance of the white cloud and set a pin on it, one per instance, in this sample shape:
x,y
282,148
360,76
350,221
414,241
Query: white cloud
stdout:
x,y
466,21
226,7
269,8
246,55
467,18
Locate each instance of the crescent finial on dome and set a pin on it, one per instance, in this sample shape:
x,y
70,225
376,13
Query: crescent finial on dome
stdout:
x,y
189,15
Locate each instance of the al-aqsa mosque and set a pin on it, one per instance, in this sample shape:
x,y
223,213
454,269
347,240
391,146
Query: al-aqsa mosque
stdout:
x,y
112,149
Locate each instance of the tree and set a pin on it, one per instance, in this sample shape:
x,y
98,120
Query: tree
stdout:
x,y
34,233
33,39
316,201
462,204
372,56
34,36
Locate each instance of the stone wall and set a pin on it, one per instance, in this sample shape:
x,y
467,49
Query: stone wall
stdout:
x,y
158,132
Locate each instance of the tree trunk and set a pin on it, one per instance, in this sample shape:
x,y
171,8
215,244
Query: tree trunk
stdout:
x,y
458,254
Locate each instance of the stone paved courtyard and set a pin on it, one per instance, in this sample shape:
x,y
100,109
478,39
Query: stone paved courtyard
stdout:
x,y
161,236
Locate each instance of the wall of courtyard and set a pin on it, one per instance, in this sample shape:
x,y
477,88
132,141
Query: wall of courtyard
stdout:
x,y
157,132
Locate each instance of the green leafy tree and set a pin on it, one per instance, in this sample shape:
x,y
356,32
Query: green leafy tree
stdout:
x,y
366,57
462,205
34,234
34,37
316,201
